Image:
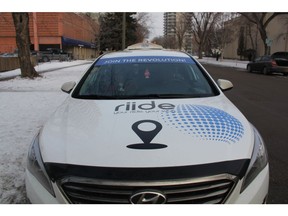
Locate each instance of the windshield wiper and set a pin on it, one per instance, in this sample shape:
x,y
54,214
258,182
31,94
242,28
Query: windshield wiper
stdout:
x,y
151,96
144,96
96,97
164,96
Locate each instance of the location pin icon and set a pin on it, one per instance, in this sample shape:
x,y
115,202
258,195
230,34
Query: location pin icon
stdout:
x,y
146,136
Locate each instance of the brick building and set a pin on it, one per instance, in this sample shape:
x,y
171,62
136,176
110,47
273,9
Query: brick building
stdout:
x,y
73,32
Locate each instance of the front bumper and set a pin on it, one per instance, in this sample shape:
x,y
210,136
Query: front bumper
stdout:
x,y
279,69
255,193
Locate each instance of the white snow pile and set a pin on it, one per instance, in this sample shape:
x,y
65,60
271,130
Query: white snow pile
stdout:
x,y
24,106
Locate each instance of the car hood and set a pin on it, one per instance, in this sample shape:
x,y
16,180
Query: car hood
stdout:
x,y
146,133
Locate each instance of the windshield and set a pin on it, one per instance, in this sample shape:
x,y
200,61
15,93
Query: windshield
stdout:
x,y
128,78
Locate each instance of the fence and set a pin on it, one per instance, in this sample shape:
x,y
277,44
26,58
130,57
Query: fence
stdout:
x,y
11,63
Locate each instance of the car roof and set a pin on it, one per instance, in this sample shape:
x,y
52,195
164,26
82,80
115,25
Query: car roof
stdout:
x,y
145,52
280,53
144,45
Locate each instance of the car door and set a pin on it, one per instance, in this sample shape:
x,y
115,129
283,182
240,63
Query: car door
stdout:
x,y
264,62
257,64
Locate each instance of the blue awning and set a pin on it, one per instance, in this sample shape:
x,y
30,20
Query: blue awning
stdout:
x,y
78,43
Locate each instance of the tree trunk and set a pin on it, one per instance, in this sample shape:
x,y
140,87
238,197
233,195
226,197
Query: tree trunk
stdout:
x,y
263,35
21,23
200,56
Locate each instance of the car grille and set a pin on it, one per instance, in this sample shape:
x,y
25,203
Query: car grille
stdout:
x,y
215,189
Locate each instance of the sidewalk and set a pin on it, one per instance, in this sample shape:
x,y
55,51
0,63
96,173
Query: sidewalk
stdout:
x,y
224,62
44,67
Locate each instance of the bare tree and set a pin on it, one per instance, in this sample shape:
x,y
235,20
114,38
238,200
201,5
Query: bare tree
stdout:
x,y
92,19
262,20
170,42
182,28
241,42
160,40
253,36
284,34
142,28
222,33
202,25
21,23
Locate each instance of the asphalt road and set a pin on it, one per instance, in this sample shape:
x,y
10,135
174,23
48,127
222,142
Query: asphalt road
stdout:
x,y
264,101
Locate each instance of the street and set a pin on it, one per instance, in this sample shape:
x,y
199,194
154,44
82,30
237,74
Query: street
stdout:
x,y
263,100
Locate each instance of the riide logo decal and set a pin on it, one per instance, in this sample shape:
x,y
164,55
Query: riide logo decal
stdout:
x,y
135,107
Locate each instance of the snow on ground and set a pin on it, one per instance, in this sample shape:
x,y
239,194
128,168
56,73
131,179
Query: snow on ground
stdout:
x,y
43,67
224,62
24,106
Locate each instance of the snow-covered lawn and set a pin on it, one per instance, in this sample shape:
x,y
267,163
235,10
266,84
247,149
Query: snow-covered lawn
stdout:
x,y
24,106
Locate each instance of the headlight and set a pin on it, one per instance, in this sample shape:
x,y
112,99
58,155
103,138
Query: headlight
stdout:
x,y
36,167
258,161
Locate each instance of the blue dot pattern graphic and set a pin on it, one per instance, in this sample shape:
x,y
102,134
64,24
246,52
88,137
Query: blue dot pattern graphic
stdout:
x,y
204,122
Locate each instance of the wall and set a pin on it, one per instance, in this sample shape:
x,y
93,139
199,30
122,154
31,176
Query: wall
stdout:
x,y
50,29
11,63
7,33
84,53
277,30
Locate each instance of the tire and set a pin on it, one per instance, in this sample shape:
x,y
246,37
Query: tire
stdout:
x,y
265,71
45,59
249,69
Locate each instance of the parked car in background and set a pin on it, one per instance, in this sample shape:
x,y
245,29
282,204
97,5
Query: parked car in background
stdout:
x,y
6,55
280,55
52,54
276,63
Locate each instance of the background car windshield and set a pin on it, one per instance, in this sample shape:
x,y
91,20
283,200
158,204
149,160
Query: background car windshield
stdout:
x,y
140,80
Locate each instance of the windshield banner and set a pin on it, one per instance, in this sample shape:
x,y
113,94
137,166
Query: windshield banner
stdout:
x,y
144,59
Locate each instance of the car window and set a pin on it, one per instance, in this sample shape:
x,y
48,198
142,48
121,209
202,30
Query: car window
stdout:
x,y
265,58
280,55
125,78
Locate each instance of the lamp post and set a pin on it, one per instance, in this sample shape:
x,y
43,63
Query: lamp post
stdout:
x,y
123,31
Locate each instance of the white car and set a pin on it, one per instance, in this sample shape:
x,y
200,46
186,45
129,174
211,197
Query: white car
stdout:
x,y
147,126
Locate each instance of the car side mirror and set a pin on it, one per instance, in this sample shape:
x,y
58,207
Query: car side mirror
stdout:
x,y
224,84
68,86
